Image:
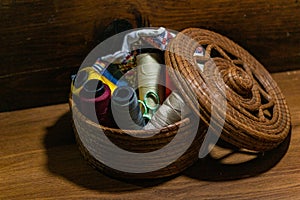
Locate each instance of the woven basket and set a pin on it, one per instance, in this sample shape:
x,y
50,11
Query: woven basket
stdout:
x,y
88,138
255,117
256,113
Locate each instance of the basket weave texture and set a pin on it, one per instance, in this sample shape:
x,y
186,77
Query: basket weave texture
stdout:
x,y
88,137
256,114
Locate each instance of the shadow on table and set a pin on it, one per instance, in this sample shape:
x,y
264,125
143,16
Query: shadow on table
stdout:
x,y
65,160
226,162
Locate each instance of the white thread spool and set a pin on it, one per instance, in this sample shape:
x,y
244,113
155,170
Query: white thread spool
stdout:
x,y
149,74
172,110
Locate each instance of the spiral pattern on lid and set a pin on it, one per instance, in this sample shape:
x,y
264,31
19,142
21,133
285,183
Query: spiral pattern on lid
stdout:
x,y
256,115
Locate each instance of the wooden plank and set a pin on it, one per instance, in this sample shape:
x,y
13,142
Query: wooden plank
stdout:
x,y
37,88
41,35
44,34
39,159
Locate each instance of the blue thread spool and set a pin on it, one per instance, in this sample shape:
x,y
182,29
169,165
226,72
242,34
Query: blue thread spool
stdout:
x,y
100,67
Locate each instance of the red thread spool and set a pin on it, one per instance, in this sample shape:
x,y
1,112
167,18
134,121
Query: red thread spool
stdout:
x,y
95,101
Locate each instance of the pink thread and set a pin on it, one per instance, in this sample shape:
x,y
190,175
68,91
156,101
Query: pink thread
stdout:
x,y
102,107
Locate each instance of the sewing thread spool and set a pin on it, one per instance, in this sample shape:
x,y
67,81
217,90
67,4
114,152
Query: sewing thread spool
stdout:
x,y
102,68
95,99
125,109
78,82
149,74
170,86
88,73
171,111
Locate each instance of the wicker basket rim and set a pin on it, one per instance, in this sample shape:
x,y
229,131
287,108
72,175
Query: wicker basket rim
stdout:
x,y
183,122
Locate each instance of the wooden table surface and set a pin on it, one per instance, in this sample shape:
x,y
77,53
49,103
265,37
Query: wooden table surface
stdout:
x,y
39,159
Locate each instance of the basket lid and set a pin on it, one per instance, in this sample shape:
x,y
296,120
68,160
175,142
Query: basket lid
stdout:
x,y
229,82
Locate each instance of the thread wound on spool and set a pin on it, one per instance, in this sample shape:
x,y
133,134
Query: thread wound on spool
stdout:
x,y
126,110
81,77
95,100
171,111
149,74
89,73
101,67
92,89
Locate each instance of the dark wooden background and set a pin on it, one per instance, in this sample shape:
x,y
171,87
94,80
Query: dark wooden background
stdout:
x,y
42,42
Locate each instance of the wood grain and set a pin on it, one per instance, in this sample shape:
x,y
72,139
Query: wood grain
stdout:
x,y
41,87
41,35
40,160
